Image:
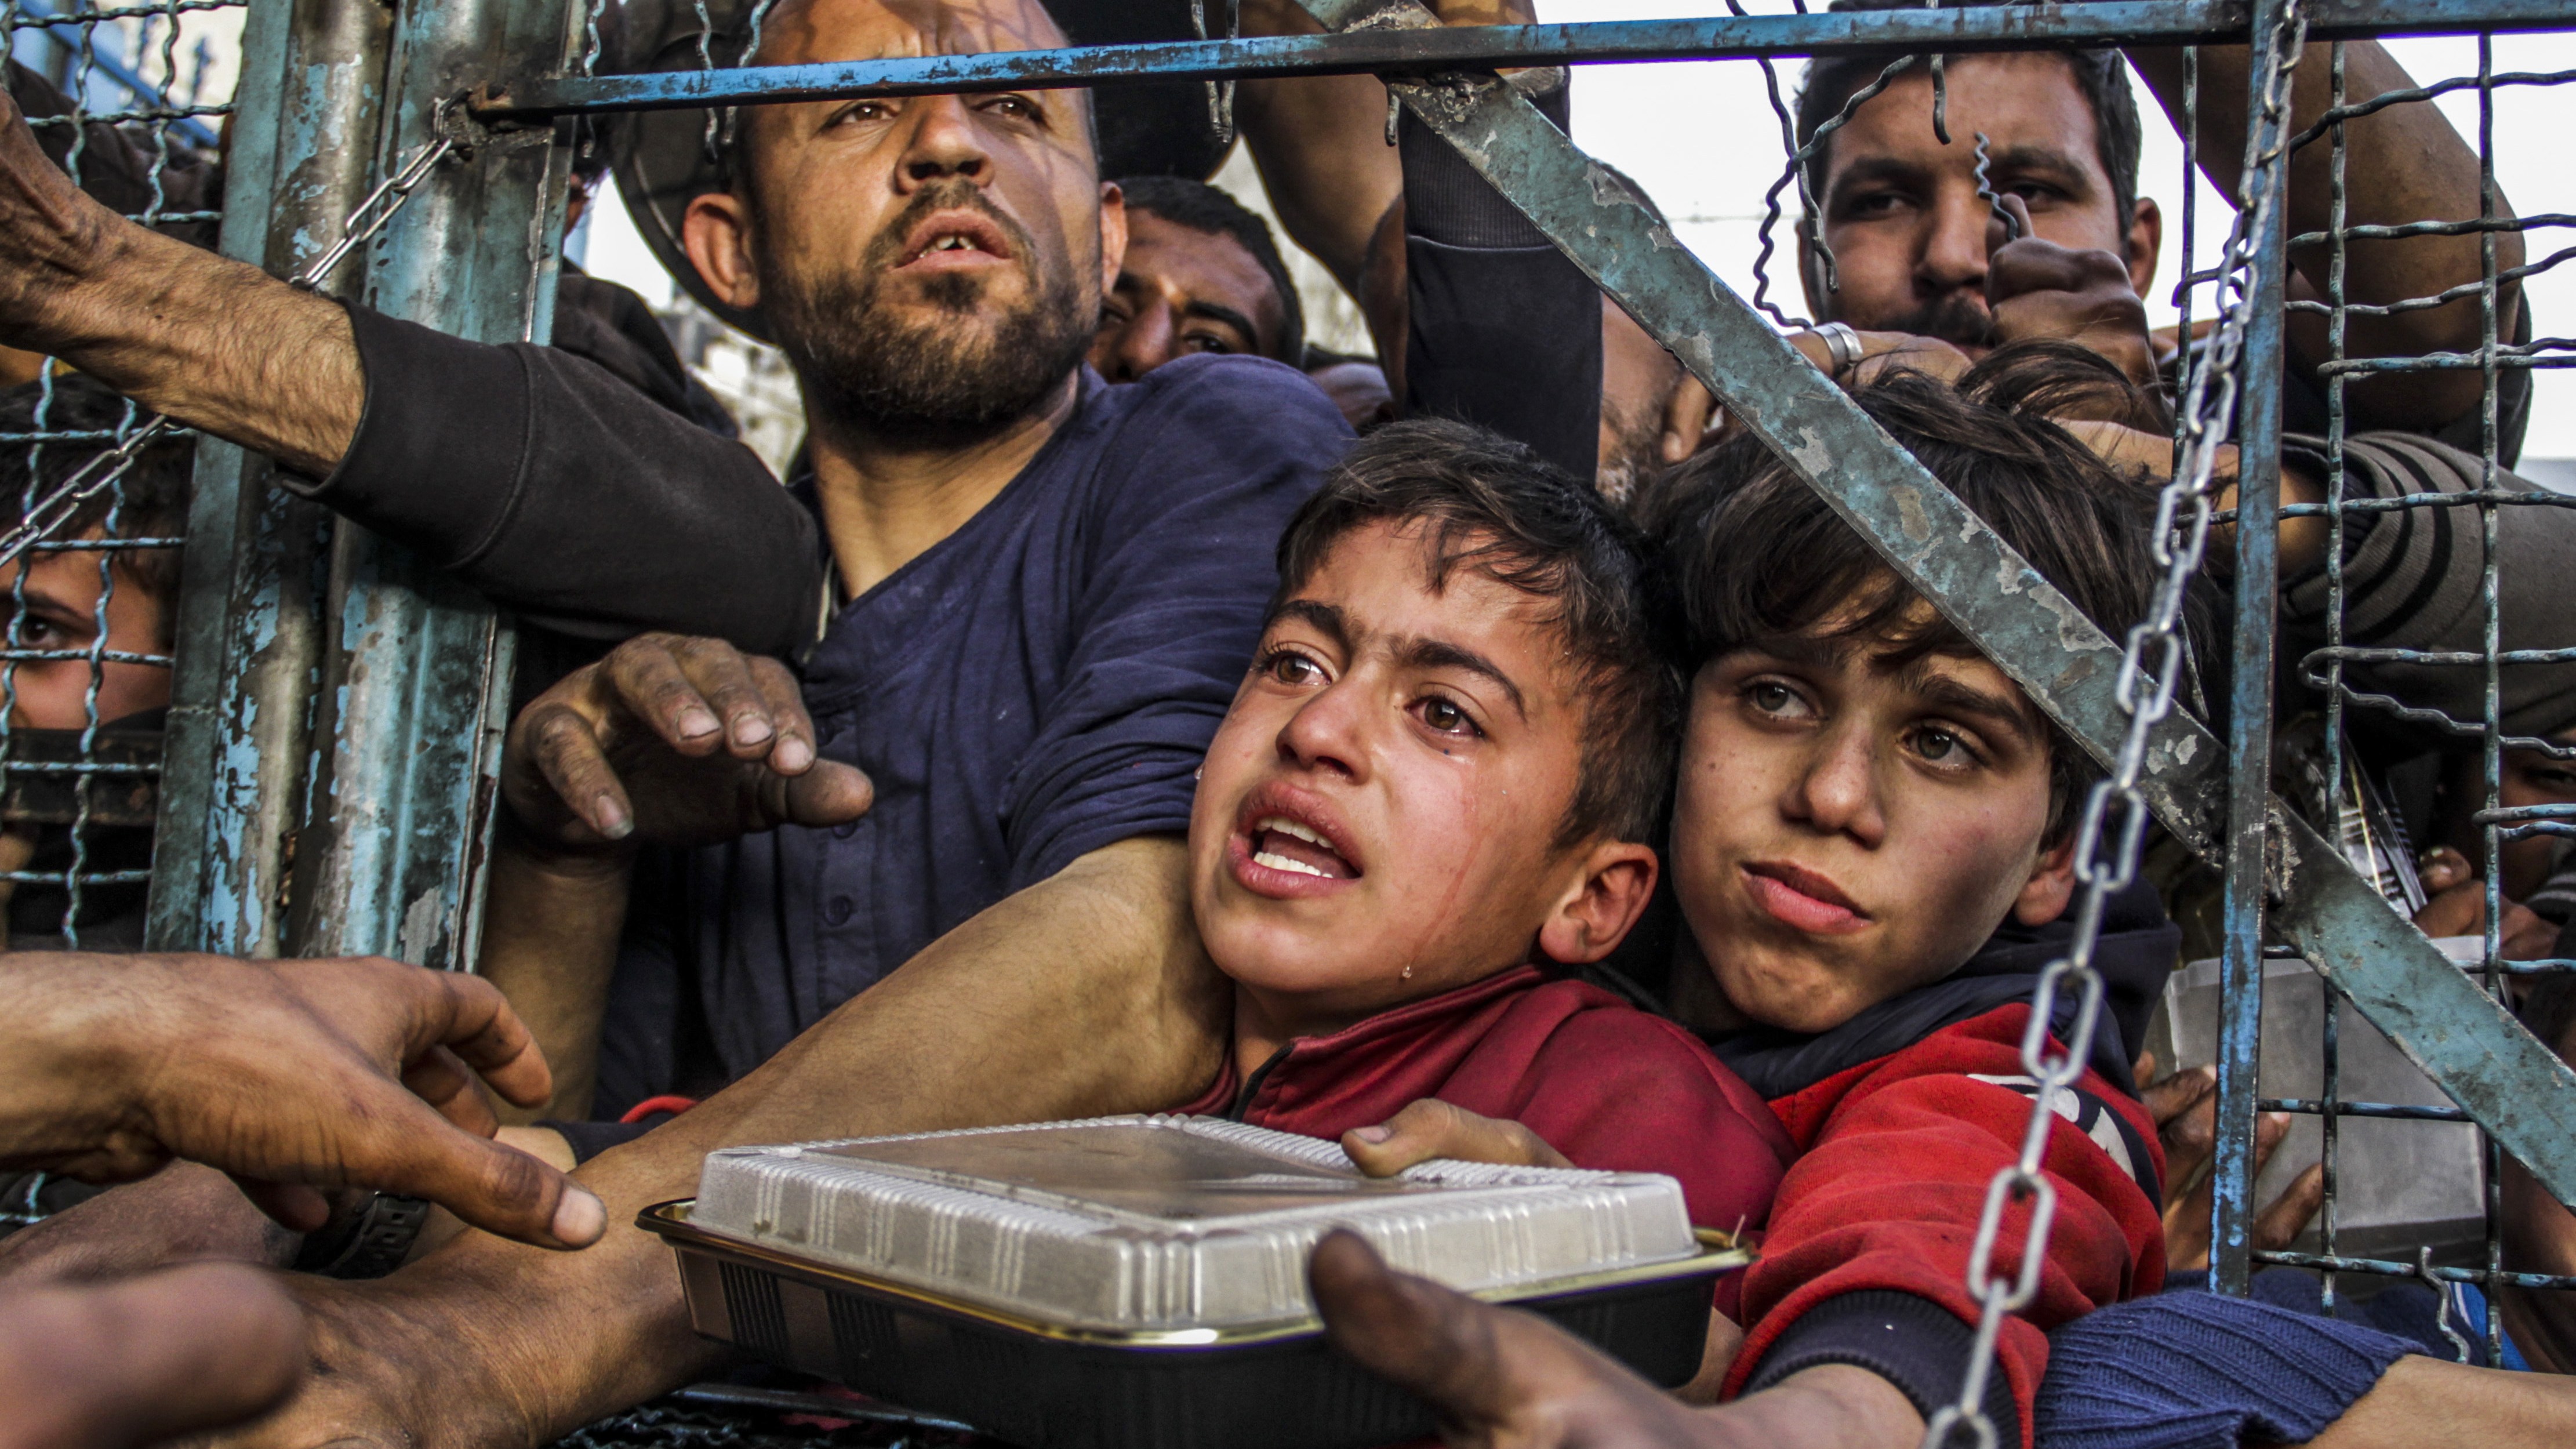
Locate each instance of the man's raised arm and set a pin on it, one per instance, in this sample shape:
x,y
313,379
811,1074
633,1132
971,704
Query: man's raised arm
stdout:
x,y
534,476
2403,164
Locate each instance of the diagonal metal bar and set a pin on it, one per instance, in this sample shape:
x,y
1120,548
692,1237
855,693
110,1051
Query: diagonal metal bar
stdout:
x,y
2461,1037
1397,49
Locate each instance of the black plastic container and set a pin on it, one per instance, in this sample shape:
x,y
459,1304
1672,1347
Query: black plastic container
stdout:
x,y
1051,1387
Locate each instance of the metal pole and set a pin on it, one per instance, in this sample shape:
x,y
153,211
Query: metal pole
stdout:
x,y
416,679
249,633
2249,710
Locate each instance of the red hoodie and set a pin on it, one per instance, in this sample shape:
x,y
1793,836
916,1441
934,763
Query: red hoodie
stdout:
x,y
1866,1258
1609,1086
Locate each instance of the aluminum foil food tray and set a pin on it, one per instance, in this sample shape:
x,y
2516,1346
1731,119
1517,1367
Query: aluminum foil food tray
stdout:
x,y
1162,1223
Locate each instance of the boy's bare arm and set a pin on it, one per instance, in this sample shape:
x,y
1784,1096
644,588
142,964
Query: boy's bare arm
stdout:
x,y
1086,993
2431,1401
215,343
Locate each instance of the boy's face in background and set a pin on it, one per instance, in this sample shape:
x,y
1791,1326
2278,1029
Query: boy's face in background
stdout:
x,y
1849,827
61,613
1387,790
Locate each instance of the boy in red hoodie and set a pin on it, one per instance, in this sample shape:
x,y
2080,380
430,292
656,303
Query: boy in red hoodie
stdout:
x,y
1871,847
1430,797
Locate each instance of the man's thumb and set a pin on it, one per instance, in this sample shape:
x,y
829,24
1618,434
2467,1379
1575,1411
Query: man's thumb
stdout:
x,y
1415,1334
831,793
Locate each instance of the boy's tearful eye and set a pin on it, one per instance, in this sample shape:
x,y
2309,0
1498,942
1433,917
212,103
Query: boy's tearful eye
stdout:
x,y
1445,717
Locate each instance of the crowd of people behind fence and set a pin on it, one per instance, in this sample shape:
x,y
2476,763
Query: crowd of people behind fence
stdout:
x,y
1484,749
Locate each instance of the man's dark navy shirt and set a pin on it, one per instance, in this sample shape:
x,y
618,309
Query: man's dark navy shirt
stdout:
x,y
1040,684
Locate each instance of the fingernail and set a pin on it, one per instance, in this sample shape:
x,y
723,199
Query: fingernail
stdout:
x,y
751,730
613,821
579,1218
695,722
793,754
1372,1134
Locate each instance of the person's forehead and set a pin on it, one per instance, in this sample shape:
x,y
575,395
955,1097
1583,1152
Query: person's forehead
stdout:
x,y
804,31
2020,101
1197,262
1380,575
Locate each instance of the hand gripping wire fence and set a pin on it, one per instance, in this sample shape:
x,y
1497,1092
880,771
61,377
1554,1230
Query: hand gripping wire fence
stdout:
x,y
103,471
2109,845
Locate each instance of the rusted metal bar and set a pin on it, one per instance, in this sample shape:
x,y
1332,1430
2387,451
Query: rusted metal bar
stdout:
x,y
1411,51
2249,878
248,621
416,675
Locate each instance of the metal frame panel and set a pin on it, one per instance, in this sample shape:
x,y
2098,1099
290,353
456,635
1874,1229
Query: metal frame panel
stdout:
x,y
249,627
415,685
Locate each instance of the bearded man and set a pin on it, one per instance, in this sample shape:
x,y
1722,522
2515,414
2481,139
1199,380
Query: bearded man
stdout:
x,y
1036,594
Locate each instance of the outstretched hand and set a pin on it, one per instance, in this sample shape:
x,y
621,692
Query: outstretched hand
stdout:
x,y
293,1076
50,232
2185,1107
673,741
2038,289
1430,1128
1506,1379
142,1360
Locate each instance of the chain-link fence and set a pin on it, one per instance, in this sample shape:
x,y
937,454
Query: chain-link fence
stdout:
x,y
130,101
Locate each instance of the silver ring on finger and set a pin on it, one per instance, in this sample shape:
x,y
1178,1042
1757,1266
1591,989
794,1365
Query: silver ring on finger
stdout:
x,y
1842,344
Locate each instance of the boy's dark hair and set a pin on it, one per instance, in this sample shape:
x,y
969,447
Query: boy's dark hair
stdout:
x,y
1492,505
2101,75
151,501
1206,209
1751,554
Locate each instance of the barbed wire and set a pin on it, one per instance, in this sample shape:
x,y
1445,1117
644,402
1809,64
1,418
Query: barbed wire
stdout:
x,y
2183,522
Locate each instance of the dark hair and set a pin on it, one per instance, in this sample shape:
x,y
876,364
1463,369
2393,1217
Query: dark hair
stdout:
x,y
1751,553
151,501
1493,506
1208,210
2101,75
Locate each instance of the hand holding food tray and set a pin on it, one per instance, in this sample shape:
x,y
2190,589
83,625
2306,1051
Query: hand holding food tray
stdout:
x,y
1140,1282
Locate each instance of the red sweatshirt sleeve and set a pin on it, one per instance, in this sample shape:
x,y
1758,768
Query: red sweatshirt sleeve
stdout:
x,y
1867,1256
1617,1090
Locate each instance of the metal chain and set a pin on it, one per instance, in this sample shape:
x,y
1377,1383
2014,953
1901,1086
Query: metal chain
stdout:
x,y
104,470
2181,540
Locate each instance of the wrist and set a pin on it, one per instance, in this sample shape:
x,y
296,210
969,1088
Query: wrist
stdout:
x,y
72,1064
530,850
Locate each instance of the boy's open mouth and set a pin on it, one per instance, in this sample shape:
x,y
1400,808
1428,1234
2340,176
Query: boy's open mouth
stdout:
x,y
1284,844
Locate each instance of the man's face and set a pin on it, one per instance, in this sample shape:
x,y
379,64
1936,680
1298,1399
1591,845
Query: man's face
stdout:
x,y
61,615
2530,777
1901,211
932,265
1179,292
1378,815
1849,828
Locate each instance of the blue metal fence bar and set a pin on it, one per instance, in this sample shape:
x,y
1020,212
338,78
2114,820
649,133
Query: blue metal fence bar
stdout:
x,y
248,614
1393,50
2257,605
2459,1035
416,677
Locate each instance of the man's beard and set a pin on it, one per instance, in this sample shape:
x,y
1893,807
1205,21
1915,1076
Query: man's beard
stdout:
x,y
1958,319
927,382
